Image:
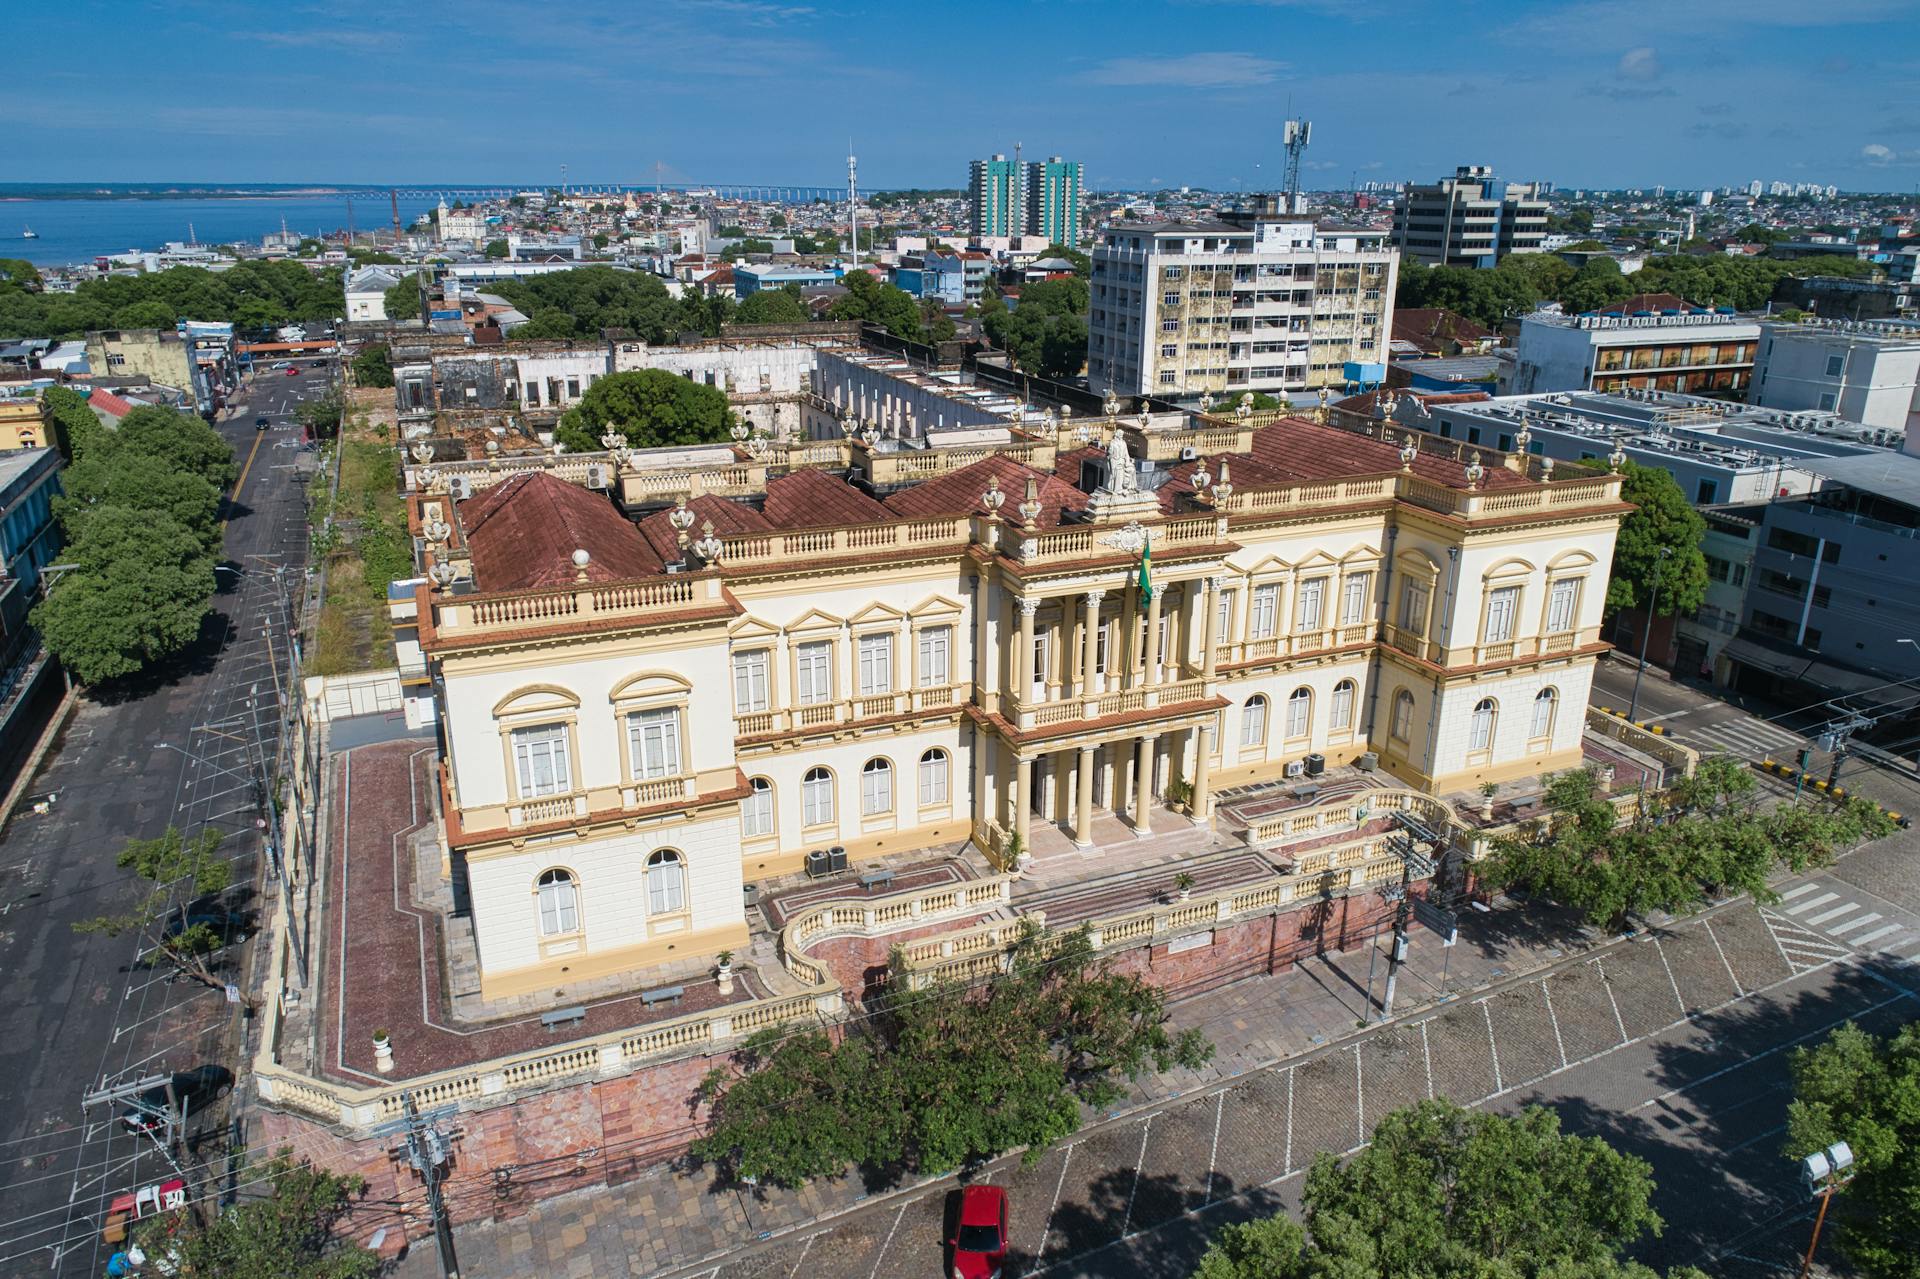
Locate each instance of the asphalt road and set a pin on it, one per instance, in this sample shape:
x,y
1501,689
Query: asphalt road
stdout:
x,y
78,1009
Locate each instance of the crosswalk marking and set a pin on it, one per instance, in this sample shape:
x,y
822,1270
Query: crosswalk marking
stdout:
x,y
1842,909
1852,924
1877,934
1803,949
1812,904
1754,736
1792,893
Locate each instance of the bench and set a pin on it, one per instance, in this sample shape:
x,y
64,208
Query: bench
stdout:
x,y
563,1016
876,879
662,995
1524,803
1307,793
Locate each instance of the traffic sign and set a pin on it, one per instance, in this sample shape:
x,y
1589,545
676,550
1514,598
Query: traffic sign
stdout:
x,y
1438,919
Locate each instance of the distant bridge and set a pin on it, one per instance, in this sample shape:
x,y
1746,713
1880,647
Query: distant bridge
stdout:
x,y
725,191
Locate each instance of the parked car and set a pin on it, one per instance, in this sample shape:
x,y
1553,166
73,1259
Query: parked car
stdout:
x,y
262,422
979,1242
193,1091
293,370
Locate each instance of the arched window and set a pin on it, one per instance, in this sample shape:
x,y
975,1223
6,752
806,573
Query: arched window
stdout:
x,y
1543,707
559,903
1253,721
876,788
756,810
933,778
666,883
1341,706
1402,724
1299,711
1480,732
816,797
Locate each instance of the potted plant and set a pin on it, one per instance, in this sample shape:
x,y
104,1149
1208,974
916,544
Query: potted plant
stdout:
x,y
382,1052
1183,884
725,972
1018,855
1487,792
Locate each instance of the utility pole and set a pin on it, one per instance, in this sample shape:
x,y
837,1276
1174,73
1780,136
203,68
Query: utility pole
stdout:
x,y
1413,862
429,1152
1837,740
1646,632
853,206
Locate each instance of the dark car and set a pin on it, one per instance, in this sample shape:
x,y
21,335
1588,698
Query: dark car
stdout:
x,y
262,422
979,1241
193,1091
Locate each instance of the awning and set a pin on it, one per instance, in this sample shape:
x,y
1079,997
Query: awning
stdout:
x,y
1808,668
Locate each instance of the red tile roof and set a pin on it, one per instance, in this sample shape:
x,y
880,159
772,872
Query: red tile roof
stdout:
x,y
815,499
522,535
1429,327
958,493
729,519
1649,302
104,401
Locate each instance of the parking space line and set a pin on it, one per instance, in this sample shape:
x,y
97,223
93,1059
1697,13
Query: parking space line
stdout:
x,y
1813,903
1286,1157
1793,893
806,1246
1738,989
1877,934
1426,1051
1492,1047
1845,908
1047,1228
1213,1154
1862,922
1678,999
1138,1160
1359,1099
1607,985
1554,1018
888,1241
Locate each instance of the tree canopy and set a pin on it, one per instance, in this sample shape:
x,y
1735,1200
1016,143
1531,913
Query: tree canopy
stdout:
x,y
75,427
651,407
403,300
1444,1192
772,306
580,303
1864,1090
1663,519
289,1233
868,300
373,366
1046,334
944,1075
252,295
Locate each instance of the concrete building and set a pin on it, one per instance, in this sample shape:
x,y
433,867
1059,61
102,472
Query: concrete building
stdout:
x,y
1053,201
159,355
467,225
366,291
1261,303
933,275
1470,219
749,278
1700,641
1834,297
1686,351
25,422
29,541
1866,372
996,196
905,401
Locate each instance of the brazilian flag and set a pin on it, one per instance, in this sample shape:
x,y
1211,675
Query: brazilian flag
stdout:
x,y
1146,570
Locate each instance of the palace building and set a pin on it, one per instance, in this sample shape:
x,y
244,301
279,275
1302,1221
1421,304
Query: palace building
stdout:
x,y
645,708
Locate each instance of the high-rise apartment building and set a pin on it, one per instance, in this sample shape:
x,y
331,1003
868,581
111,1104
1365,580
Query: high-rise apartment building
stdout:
x,y
1053,200
1470,219
1261,302
996,196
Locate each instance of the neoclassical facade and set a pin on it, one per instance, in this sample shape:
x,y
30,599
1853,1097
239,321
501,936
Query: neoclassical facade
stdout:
x,y
640,716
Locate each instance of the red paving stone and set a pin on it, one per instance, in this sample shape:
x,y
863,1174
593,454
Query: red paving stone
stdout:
x,y
1068,906
385,965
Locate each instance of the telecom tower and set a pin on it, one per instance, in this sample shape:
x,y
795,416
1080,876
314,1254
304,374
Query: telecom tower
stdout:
x,y
1294,137
853,206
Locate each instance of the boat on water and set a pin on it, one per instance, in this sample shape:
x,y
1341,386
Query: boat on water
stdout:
x,y
29,234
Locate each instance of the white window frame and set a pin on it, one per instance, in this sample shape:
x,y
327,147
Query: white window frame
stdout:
x,y
876,787
1253,721
816,797
1416,598
1400,726
666,893
936,656
1355,594
750,683
1263,616
558,892
756,810
1503,613
1480,726
548,745
653,743
813,672
1563,605
1546,702
876,664
933,777
1310,613
1340,707
1299,713
1223,616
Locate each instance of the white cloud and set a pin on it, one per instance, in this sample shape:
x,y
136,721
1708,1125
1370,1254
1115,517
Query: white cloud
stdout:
x,y
1641,64
1574,24
1879,155
1190,71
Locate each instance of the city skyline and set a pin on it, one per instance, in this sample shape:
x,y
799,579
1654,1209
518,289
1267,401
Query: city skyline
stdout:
x,y
704,89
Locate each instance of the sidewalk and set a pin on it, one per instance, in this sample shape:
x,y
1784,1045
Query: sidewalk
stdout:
x,y
666,1218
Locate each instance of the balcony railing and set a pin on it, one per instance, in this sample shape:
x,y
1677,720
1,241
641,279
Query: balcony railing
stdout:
x,y
836,543
847,710
457,618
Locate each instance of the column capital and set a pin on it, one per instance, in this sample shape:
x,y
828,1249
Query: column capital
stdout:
x,y
1216,582
1095,595
1029,605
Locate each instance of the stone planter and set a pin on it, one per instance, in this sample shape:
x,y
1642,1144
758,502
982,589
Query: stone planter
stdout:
x,y
383,1054
725,973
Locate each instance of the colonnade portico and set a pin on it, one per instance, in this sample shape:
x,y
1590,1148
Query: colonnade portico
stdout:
x,y
1081,720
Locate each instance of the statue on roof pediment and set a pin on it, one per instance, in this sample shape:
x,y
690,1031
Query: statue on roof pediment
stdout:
x,y
1121,479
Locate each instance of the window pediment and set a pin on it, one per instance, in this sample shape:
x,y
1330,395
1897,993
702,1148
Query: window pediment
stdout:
x,y
536,699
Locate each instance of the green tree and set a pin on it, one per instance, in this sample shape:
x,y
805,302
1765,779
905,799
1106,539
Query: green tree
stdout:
x,y
147,315
172,857
138,596
75,426
1663,519
172,861
373,366
772,306
321,417
1864,1089
596,298
600,240
403,300
20,273
495,249
777,222
943,1075
705,315
1264,1248
872,302
122,479
651,407
1597,285
170,440
1046,334
1082,264
291,1233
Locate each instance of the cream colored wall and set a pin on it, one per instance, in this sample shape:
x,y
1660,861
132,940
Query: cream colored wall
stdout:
x,y
1277,686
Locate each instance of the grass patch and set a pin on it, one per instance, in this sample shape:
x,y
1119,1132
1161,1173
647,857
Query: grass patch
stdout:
x,y
361,535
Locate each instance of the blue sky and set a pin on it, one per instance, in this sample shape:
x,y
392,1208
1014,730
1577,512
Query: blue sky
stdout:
x,y
1582,92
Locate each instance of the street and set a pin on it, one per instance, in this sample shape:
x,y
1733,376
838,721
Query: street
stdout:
x,y
178,750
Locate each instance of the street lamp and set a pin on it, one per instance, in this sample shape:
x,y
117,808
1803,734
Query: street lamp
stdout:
x,y
1824,1171
1646,632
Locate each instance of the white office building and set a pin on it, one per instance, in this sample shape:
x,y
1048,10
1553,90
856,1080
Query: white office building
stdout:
x,y
1867,373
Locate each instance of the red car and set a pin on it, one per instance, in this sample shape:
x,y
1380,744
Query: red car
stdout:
x,y
980,1241
293,370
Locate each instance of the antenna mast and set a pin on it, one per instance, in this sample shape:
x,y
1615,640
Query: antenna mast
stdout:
x,y
853,205
1295,136
393,199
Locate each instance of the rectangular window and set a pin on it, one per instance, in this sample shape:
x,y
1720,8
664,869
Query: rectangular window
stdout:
x,y
1313,598
1835,363
1299,709
1413,608
876,790
1354,599
1261,620
933,779
876,664
654,737
540,755
1707,492
1561,604
750,681
756,810
1040,650
1340,712
533,394
1223,617
813,682
1501,607
1100,638
573,388
1826,401
936,662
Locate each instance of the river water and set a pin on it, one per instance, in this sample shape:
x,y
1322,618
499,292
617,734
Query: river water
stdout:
x,y
80,230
